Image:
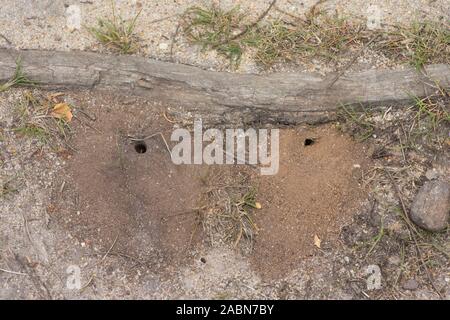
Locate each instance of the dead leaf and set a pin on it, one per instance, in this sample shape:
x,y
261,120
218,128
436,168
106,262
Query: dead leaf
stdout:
x,y
317,241
62,111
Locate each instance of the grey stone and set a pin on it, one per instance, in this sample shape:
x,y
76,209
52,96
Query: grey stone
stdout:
x,y
73,17
431,206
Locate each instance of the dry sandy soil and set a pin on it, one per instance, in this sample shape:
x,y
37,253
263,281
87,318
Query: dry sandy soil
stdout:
x,y
138,226
48,24
129,221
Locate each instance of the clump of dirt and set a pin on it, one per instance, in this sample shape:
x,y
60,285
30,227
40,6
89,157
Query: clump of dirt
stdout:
x,y
314,194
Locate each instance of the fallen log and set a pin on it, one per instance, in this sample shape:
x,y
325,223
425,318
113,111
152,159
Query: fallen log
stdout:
x,y
221,97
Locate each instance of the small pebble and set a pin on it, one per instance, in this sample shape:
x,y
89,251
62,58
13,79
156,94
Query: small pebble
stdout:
x,y
411,285
431,206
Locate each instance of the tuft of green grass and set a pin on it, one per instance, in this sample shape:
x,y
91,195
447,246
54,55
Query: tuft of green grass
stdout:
x,y
244,225
420,43
116,33
223,296
430,121
31,130
432,111
324,36
19,78
214,29
321,35
228,211
375,240
272,42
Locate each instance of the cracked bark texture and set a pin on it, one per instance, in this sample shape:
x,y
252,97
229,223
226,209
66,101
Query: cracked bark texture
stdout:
x,y
220,97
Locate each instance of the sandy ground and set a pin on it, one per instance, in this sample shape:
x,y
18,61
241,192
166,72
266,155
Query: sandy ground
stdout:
x,y
50,225
46,231
39,254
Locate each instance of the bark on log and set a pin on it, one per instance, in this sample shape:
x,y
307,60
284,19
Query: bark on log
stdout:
x,y
220,97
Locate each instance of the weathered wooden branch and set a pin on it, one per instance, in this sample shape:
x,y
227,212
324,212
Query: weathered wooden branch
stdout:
x,y
221,97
